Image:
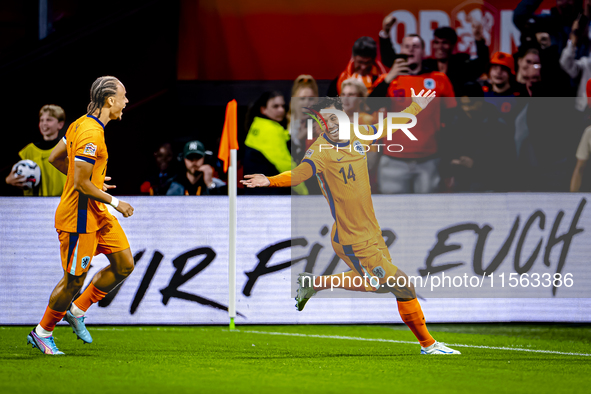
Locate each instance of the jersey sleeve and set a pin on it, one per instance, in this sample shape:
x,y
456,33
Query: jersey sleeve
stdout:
x,y
88,145
294,177
378,133
315,158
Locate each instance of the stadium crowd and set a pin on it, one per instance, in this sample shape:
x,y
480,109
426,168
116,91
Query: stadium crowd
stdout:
x,y
502,122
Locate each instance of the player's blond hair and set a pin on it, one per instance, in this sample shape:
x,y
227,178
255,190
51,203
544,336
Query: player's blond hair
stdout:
x,y
101,90
54,110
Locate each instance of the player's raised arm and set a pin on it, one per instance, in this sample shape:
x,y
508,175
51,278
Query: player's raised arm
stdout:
x,y
294,177
419,103
59,157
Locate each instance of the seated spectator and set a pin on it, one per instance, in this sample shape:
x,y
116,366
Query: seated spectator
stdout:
x,y
163,174
579,70
304,93
415,168
363,65
51,121
478,151
197,177
266,146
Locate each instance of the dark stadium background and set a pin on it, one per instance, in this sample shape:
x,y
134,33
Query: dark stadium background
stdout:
x,y
180,60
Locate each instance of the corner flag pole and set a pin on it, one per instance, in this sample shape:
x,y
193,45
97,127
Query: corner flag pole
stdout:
x,y
232,192
227,153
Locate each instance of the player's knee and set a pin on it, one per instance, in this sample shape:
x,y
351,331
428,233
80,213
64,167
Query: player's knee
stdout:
x,y
125,269
74,283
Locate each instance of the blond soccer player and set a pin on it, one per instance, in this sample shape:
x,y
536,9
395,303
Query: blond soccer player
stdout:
x,y
84,225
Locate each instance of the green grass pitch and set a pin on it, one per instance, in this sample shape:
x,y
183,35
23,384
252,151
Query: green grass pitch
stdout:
x,y
496,358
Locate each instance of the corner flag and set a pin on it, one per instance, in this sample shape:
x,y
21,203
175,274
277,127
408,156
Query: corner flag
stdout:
x,y
229,139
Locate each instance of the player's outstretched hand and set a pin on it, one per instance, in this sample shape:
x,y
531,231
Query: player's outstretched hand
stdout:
x,y
422,99
125,208
256,180
107,187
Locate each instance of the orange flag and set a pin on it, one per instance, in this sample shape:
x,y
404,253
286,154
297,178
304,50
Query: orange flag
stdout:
x,y
229,139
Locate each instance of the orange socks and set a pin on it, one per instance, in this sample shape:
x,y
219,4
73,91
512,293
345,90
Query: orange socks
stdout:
x,y
89,297
51,318
412,314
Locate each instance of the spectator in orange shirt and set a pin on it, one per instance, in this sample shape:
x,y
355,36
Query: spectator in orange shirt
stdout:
x,y
413,169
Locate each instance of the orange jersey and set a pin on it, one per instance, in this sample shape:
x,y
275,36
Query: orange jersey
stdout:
x,y
341,169
76,213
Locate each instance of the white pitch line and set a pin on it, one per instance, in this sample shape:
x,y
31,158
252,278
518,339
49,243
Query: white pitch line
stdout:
x,y
412,343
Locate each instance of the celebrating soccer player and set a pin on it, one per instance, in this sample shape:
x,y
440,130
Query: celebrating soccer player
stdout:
x,y
356,236
84,225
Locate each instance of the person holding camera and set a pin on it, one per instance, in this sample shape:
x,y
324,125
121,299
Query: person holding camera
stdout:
x,y
414,169
459,67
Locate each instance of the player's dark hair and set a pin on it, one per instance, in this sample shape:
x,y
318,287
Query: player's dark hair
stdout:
x,y
447,33
101,90
328,102
254,109
366,47
420,39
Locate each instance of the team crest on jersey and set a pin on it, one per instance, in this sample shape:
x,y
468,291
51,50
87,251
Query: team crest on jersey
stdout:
x,y
359,147
85,261
379,272
429,83
309,153
90,149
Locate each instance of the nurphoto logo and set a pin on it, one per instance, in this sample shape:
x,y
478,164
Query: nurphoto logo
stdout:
x,y
344,127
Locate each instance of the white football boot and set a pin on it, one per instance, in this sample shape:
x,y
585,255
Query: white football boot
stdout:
x,y
438,348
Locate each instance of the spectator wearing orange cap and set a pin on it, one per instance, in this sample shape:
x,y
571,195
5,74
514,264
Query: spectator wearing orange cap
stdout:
x,y
502,89
501,75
